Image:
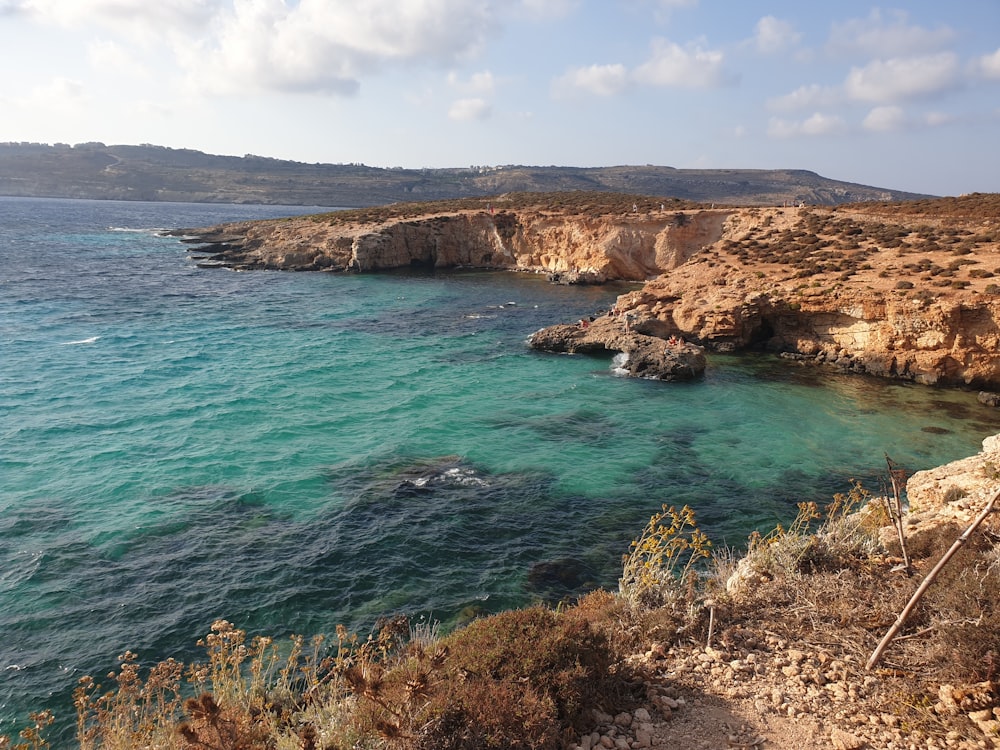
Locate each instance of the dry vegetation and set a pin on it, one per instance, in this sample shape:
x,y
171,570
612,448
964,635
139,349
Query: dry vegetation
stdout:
x,y
574,202
935,247
532,678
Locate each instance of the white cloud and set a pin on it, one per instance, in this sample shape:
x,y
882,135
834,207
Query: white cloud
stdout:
x,y
679,67
820,124
903,78
106,55
60,96
669,65
126,16
308,45
890,119
11,8
465,110
886,35
936,119
989,65
548,9
598,80
664,8
805,97
885,119
482,83
815,125
773,35
326,47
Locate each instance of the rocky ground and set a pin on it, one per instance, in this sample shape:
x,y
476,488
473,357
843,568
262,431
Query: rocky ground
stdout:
x,y
786,666
774,695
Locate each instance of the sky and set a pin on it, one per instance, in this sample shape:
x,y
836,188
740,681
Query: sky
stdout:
x,y
903,96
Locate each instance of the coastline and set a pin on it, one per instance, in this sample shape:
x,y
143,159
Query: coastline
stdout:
x,y
900,291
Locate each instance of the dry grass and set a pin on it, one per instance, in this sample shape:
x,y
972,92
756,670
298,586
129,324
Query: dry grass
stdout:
x,y
573,202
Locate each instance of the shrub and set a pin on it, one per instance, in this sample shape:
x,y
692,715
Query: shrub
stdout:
x,y
557,660
659,570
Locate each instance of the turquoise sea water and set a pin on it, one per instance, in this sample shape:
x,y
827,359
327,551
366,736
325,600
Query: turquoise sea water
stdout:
x,y
291,451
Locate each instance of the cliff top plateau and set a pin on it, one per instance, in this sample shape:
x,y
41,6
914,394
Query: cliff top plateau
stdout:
x,y
155,173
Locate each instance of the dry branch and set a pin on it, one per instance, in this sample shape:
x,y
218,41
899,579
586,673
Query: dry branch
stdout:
x,y
908,609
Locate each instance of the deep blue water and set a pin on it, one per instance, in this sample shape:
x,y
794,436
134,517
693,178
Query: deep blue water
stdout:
x,y
293,451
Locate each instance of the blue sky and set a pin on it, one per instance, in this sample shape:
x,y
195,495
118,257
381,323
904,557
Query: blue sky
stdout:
x,y
903,95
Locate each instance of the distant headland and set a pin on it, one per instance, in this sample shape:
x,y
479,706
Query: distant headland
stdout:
x,y
156,173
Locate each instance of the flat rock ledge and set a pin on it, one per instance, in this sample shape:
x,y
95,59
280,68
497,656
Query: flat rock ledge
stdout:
x,y
645,356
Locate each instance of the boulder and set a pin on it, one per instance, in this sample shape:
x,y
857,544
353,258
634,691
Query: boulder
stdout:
x,y
643,356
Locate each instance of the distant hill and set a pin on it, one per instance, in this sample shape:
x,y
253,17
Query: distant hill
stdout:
x,y
157,173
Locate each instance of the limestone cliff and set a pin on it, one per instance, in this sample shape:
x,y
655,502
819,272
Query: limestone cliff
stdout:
x,y
635,246
895,290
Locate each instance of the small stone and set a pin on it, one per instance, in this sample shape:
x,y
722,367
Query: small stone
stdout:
x,y
600,717
643,739
607,742
642,714
842,740
623,719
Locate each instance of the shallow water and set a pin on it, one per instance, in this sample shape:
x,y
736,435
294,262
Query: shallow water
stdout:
x,y
293,451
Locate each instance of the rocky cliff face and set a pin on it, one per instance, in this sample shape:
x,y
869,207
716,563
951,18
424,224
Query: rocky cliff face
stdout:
x,y
633,247
871,289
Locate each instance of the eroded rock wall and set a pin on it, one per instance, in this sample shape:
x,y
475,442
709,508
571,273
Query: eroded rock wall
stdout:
x,y
633,247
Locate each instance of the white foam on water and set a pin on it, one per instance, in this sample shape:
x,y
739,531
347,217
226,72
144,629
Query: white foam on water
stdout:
x,y
91,340
618,364
145,230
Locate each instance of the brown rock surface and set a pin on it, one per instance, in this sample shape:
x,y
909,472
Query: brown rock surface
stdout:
x,y
646,356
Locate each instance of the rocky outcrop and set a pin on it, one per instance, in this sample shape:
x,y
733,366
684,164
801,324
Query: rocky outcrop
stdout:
x,y
578,249
949,340
878,290
643,356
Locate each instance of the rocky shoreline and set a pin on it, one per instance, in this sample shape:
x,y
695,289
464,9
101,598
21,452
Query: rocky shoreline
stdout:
x,y
901,291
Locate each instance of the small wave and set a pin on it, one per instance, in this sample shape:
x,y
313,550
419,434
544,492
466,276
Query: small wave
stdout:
x,y
91,340
618,364
134,230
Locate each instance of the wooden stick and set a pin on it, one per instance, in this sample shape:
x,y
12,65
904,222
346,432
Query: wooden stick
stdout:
x,y
908,609
897,516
